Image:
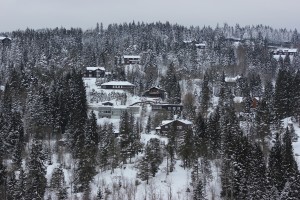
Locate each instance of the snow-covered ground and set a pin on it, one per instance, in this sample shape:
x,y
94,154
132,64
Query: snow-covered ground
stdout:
x,y
123,182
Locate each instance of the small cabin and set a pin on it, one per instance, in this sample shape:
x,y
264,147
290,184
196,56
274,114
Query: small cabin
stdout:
x,y
155,92
94,72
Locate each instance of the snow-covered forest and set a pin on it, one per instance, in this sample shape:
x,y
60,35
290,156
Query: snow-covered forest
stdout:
x,y
238,87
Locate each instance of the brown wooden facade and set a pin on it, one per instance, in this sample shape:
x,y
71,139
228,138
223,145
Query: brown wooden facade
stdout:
x,y
155,92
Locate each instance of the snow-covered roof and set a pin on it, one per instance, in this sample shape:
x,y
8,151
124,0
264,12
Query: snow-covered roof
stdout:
x,y
164,122
287,50
187,41
200,45
155,88
2,38
128,56
95,68
282,56
118,83
232,79
185,121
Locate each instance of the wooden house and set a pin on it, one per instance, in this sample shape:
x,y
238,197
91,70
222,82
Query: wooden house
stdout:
x,y
94,72
174,108
107,103
5,40
178,125
118,85
285,51
155,92
116,111
200,46
127,59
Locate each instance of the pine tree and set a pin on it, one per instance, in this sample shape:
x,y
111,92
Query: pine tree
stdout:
x,y
213,131
289,164
58,183
125,132
201,139
114,150
144,169
20,188
257,184
3,176
199,192
205,95
148,126
152,159
282,96
87,159
78,113
171,147
296,96
11,186
263,122
186,148
171,85
36,181
275,168
17,155
255,85
99,194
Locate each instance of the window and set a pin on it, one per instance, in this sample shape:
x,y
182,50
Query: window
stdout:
x,y
179,127
166,126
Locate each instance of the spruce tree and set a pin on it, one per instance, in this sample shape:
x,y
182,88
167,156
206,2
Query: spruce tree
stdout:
x,y
11,186
213,132
257,183
152,159
36,181
289,164
263,123
148,126
125,132
296,96
78,113
275,168
201,139
205,94
199,193
186,148
282,96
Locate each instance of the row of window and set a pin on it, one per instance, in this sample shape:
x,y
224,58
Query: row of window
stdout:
x,y
117,86
178,127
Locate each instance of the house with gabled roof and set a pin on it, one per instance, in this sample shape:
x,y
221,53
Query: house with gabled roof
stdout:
x,y
155,92
118,85
5,40
94,72
179,125
131,59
